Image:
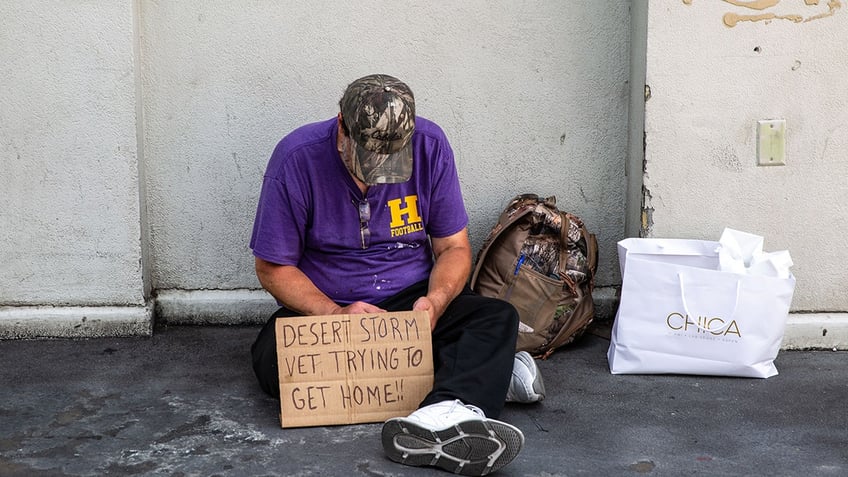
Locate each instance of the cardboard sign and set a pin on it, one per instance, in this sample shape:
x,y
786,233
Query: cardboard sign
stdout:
x,y
346,369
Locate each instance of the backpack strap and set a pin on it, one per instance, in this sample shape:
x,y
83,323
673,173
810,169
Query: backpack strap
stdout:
x,y
510,215
565,225
566,333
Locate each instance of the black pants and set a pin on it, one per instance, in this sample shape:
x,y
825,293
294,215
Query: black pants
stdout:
x,y
473,349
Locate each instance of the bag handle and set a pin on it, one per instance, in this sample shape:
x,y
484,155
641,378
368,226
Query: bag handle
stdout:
x,y
565,225
727,322
590,239
507,219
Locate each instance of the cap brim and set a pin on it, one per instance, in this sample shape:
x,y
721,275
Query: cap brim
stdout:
x,y
378,168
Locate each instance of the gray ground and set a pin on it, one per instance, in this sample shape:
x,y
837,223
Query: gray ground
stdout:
x,y
184,403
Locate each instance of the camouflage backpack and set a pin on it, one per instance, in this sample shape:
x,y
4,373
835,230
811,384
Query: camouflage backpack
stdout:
x,y
543,261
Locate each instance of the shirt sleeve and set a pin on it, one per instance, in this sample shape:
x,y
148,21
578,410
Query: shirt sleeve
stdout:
x,y
281,219
447,208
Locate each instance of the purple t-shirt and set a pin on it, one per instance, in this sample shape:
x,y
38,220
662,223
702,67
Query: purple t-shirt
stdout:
x,y
309,214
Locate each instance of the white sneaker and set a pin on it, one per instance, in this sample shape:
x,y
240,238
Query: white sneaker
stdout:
x,y
526,385
452,436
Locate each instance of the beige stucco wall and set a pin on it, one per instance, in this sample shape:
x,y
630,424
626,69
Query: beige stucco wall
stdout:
x,y
134,133
70,235
532,96
714,69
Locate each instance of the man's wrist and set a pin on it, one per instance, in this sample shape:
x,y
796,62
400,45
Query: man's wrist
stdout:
x,y
439,301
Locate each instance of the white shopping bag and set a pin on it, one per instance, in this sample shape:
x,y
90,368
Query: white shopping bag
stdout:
x,y
679,314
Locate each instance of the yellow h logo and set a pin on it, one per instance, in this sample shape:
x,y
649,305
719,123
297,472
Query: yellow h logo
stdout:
x,y
410,211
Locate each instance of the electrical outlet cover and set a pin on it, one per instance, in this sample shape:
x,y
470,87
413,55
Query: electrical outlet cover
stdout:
x,y
771,142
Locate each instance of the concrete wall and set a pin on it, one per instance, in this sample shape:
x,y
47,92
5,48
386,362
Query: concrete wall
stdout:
x,y
532,96
134,134
70,235
714,70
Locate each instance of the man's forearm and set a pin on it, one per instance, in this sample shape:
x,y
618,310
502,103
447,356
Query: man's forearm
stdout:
x,y
449,276
293,289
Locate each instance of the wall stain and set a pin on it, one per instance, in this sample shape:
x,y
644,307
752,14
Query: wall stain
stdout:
x,y
731,19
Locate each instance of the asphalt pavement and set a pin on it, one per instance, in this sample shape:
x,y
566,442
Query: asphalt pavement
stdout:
x,y
183,402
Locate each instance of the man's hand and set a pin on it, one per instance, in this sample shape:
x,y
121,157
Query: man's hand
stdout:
x,y
425,304
450,273
356,308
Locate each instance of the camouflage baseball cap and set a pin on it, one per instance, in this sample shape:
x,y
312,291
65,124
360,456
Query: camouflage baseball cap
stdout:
x,y
379,113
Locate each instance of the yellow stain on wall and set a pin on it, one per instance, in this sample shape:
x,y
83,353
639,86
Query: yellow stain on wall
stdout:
x,y
731,19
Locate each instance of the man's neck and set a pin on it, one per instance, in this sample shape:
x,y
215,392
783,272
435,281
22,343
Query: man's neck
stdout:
x,y
363,187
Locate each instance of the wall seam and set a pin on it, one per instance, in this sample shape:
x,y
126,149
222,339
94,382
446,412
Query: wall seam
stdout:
x,y
634,168
140,156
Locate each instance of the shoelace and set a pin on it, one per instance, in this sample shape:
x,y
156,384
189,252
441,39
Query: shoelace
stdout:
x,y
472,408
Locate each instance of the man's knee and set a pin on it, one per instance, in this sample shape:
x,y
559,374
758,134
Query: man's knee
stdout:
x,y
264,356
502,310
